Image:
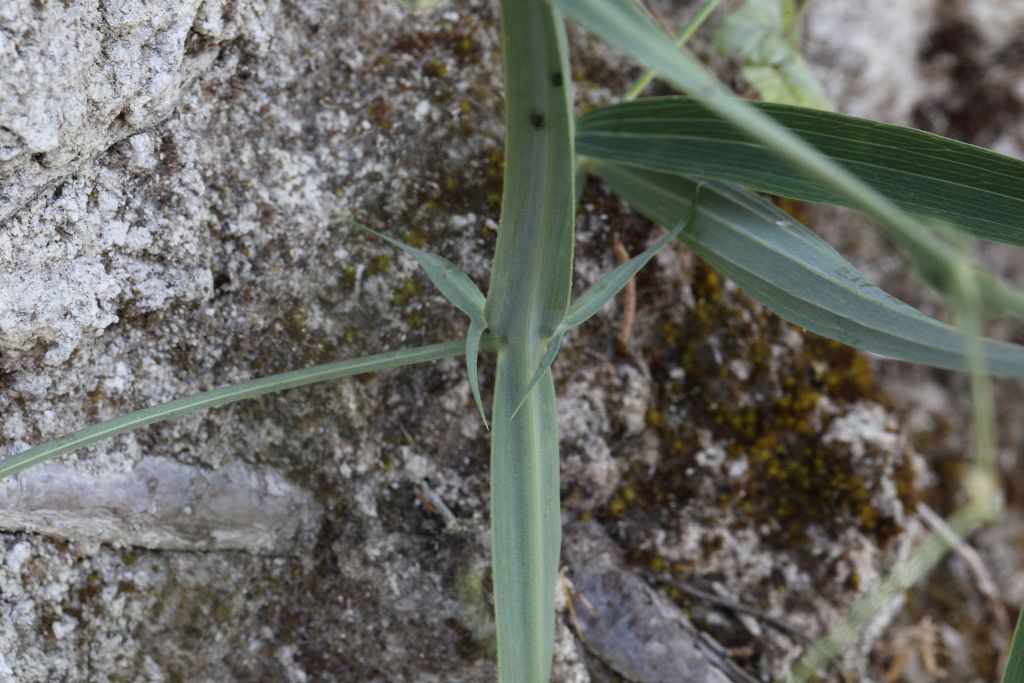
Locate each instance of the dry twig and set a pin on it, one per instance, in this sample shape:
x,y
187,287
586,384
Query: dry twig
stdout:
x,y
628,299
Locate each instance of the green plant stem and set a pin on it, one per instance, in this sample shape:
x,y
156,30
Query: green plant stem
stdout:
x,y
684,36
793,28
230,394
528,296
966,306
982,481
525,517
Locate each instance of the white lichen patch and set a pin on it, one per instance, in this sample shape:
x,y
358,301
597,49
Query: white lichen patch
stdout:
x,y
79,79
55,308
867,426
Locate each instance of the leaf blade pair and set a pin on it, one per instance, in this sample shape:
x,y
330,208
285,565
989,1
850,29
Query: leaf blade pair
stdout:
x,y
797,274
622,25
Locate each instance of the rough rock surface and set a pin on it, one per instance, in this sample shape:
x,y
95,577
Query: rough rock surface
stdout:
x,y
192,245
169,179
632,627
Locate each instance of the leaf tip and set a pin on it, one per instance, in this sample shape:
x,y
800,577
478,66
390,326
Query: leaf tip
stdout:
x,y
522,402
474,385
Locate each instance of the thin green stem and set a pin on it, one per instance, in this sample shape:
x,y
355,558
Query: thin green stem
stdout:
x,y
985,495
966,309
983,479
684,36
229,394
793,29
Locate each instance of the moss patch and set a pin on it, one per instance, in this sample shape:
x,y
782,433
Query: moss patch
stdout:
x,y
727,379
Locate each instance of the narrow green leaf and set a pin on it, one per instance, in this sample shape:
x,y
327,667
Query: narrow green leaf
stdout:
x,y
611,283
972,188
417,4
1014,672
452,282
798,275
473,337
230,394
759,34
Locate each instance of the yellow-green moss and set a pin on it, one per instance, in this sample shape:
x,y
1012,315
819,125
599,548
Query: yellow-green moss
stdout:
x,y
378,112
406,290
379,265
295,323
793,478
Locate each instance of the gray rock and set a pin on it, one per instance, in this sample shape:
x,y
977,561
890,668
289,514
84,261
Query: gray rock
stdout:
x,y
634,629
162,504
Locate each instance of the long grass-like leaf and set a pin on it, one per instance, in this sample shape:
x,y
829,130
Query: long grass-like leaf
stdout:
x,y
974,189
230,394
798,275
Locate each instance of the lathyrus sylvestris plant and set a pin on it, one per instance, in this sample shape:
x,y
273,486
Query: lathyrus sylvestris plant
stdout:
x,y
684,162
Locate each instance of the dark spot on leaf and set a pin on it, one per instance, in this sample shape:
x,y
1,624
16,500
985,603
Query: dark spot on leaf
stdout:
x,y
537,120
556,79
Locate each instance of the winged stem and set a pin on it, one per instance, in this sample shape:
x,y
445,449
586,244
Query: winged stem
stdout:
x,y
528,296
